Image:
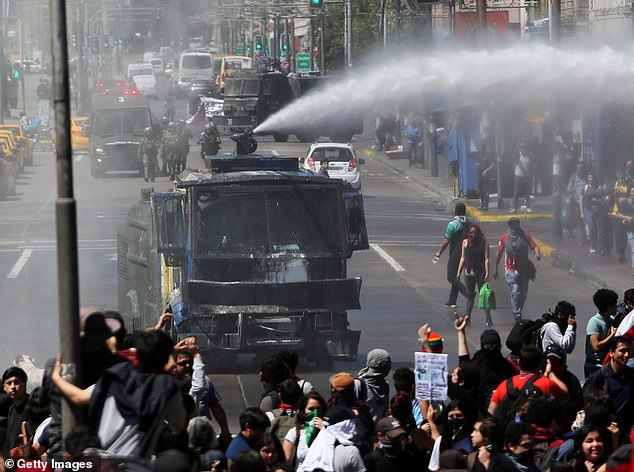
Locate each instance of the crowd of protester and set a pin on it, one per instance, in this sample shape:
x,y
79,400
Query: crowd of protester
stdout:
x,y
601,211
147,403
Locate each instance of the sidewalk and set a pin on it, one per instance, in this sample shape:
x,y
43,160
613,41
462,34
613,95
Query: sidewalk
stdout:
x,y
567,253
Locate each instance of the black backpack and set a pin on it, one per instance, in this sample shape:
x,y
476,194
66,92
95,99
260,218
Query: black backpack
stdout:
x,y
515,398
525,333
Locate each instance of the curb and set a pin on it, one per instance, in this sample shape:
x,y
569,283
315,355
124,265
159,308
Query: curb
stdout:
x,y
485,216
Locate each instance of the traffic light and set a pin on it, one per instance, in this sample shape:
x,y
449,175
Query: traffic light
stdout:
x,y
17,73
316,3
258,42
73,40
284,44
94,45
157,14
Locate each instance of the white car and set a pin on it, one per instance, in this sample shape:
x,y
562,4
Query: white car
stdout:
x,y
146,84
343,162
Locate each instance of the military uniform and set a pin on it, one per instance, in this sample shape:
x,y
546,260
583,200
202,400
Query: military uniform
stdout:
x,y
209,144
184,135
168,152
148,152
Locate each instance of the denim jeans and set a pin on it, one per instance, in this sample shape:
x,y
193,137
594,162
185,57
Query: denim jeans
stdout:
x,y
591,225
518,286
630,239
456,285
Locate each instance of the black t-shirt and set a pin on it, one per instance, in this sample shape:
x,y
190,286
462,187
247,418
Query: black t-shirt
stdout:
x,y
14,427
377,461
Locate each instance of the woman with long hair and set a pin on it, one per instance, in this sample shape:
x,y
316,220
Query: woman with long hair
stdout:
x,y
308,423
475,263
590,450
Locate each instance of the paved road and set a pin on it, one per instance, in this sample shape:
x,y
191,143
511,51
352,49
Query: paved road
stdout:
x,y
401,287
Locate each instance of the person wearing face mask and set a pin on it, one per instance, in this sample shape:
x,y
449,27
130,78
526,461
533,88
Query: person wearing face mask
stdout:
x,y
494,368
561,329
455,433
390,454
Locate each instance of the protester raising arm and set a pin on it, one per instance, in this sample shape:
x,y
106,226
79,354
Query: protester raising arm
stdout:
x,y
74,394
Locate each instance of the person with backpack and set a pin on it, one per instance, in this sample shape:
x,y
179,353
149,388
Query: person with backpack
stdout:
x,y
454,235
511,394
518,268
282,418
560,329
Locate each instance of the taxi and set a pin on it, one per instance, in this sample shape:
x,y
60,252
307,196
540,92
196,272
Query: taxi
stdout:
x,y
78,135
23,141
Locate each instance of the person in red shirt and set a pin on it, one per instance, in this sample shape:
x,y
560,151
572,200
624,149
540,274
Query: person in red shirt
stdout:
x,y
518,269
529,363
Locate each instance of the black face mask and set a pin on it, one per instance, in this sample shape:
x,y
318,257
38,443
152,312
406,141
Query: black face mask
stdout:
x,y
455,426
392,449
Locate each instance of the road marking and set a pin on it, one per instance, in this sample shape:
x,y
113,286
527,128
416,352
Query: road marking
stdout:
x,y
387,258
274,152
244,397
20,264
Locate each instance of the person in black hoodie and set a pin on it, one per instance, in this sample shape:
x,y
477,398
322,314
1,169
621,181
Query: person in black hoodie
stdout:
x,y
494,368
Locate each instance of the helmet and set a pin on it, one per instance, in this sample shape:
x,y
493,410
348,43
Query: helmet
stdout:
x,y
148,131
210,127
165,120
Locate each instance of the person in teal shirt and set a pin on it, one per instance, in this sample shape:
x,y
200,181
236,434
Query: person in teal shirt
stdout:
x,y
598,332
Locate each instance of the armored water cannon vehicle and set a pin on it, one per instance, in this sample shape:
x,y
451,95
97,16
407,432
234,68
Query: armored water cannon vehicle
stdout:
x,y
250,255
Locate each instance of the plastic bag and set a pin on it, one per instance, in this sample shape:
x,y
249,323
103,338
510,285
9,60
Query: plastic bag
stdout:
x,y
486,297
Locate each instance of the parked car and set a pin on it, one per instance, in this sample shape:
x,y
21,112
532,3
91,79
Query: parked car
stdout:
x,y
78,133
343,162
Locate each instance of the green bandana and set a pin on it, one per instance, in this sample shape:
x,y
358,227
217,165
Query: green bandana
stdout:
x,y
310,428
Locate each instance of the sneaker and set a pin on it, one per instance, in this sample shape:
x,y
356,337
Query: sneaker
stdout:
x,y
450,305
512,210
529,210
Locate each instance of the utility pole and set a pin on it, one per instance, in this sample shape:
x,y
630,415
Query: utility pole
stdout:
x,y
65,215
348,33
482,20
554,23
397,26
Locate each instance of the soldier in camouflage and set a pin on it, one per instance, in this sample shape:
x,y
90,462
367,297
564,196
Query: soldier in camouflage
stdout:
x,y
209,141
169,148
184,135
148,152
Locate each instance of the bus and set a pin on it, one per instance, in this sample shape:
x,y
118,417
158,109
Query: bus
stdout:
x,y
194,64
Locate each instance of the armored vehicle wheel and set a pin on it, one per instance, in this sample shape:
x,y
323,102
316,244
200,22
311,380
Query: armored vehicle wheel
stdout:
x,y
307,138
280,137
221,361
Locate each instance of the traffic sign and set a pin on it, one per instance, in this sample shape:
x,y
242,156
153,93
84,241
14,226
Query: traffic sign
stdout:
x,y
303,62
240,50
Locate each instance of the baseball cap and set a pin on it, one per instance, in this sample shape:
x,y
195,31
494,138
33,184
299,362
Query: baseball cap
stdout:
x,y
391,427
555,351
514,220
341,381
